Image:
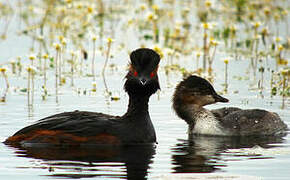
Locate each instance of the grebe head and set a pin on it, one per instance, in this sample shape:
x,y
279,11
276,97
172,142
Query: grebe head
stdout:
x,y
142,77
197,91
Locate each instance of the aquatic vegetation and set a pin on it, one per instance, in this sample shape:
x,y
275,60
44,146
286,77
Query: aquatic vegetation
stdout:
x,y
3,72
94,38
57,65
45,57
31,71
66,34
109,43
72,63
226,61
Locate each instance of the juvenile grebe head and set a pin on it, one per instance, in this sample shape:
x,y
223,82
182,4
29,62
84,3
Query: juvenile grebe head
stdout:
x,y
196,90
142,78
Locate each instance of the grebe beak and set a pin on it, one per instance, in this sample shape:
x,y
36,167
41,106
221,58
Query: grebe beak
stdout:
x,y
219,98
143,81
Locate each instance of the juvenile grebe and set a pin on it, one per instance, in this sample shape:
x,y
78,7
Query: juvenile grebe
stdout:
x,y
194,92
81,127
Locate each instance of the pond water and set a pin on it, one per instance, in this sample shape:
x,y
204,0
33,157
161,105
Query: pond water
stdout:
x,y
175,156
175,152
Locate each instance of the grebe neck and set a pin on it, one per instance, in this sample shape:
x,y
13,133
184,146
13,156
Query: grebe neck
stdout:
x,y
138,105
189,112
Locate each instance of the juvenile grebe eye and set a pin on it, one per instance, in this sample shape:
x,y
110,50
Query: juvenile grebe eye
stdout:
x,y
152,74
135,73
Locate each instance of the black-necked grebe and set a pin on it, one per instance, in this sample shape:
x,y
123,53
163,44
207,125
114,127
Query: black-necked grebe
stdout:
x,y
81,127
194,92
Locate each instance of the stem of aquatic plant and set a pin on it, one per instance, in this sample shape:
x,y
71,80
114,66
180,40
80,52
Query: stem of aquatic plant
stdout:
x,y
256,56
19,65
62,62
254,63
32,86
59,67
156,31
226,61
83,57
101,15
72,68
32,58
109,42
210,60
283,92
13,67
45,57
28,86
59,61
93,59
204,51
40,39
205,47
3,71
272,79
261,70
284,76
57,47
72,74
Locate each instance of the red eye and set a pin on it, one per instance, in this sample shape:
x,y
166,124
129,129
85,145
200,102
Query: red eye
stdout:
x,y
135,73
152,74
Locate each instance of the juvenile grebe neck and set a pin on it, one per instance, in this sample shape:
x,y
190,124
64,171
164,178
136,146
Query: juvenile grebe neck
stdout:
x,y
199,119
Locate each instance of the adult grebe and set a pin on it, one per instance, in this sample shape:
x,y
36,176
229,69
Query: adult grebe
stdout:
x,y
82,127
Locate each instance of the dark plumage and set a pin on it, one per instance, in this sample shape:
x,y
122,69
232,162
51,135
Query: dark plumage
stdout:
x,y
194,92
81,127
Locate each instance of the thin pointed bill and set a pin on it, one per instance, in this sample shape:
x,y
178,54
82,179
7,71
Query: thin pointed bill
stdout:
x,y
143,81
219,98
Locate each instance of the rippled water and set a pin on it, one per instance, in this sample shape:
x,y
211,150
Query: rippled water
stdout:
x,y
174,153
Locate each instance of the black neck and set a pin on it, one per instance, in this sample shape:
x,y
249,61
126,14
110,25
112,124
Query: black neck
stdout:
x,y
138,105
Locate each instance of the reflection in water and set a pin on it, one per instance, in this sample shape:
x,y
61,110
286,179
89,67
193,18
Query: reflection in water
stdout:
x,y
203,154
130,162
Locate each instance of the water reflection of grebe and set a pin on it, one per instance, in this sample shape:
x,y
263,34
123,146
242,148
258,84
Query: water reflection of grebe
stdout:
x,y
200,154
131,162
